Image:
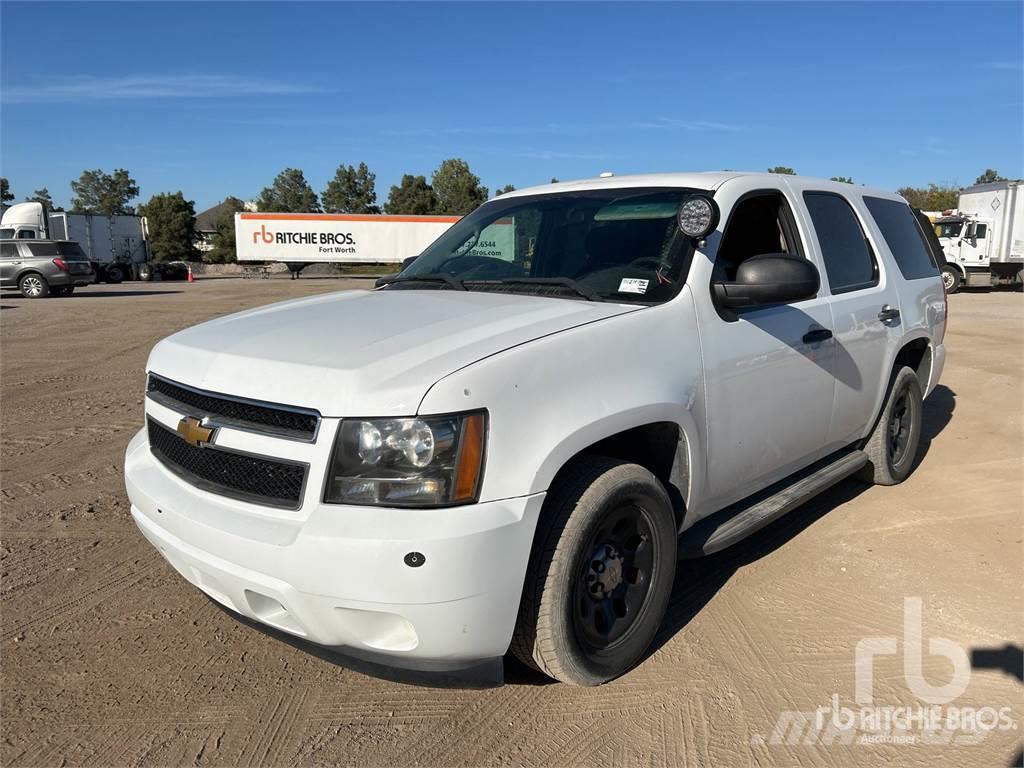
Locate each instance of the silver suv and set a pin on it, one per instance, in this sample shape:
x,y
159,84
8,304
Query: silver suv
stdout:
x,y
41,268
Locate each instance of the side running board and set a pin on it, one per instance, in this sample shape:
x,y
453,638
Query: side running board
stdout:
x,y
725,528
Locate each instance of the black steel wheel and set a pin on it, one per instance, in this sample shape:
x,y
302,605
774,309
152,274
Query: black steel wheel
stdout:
x,y
614,579
893,444
600,572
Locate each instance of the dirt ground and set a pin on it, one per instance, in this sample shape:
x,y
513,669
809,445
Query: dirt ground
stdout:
x,y
109,658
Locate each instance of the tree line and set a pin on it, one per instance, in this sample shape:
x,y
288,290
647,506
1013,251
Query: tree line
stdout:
x,y
453,190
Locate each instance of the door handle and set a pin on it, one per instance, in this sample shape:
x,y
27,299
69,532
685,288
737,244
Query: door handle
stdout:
x,y
889,313
814,335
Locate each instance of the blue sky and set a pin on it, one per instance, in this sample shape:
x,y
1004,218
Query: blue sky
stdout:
x,y
215,99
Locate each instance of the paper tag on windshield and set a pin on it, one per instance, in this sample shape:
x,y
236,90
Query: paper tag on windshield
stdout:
x,y
633,285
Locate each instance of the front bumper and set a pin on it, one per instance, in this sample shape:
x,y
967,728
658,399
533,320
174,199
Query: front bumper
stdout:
x,y
337,576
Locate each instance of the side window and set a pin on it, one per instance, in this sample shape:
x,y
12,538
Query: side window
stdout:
x,y
43,249
8,251
902,234
849,262
980,231
758,224
26,234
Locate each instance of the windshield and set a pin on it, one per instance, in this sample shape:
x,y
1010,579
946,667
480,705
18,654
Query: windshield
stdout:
x,y
603,245
6,234
948,228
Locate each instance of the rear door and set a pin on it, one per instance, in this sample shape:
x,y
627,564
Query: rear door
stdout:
x,y
9,262
865,306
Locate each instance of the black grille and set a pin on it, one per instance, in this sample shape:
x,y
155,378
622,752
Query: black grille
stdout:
x,y
276,420
263,481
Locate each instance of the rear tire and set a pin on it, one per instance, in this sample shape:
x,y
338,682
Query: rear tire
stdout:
x,y
33,286
951,279
114,275
600,573
893,445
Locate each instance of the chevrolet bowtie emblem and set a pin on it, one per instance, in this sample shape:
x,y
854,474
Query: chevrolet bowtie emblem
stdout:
x,y
194,433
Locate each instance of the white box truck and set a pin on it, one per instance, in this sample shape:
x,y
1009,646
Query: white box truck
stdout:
x,y
983,240
301,239
116,245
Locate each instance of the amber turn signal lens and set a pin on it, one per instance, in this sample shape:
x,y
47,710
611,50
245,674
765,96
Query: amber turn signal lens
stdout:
x,y
471,458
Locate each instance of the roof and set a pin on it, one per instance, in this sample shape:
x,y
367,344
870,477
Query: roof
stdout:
x,y
991,186
207,220
707,181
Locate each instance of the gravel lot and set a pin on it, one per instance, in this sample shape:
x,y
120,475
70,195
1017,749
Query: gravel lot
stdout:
x,y
109,658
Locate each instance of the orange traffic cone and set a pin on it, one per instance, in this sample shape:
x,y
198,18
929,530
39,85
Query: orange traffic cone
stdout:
x,y
190,278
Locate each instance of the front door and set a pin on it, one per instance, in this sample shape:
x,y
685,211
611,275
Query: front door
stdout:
x,y
975,243
768,370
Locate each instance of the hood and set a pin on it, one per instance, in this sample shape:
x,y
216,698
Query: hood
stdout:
x,y
367,353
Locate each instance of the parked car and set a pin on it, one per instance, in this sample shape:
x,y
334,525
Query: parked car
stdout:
x,y
40,268
508,445
164,270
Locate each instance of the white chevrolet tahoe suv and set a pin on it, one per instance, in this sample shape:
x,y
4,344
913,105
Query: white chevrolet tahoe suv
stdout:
x,y
508,445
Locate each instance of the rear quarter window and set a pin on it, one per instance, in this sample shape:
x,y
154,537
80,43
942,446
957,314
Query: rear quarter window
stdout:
x,y
42,249
903,235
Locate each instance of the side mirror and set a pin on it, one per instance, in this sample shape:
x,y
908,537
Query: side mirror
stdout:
x,y
772,278
407,262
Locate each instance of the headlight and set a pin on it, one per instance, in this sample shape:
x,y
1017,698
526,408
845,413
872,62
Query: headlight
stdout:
x,y
427,461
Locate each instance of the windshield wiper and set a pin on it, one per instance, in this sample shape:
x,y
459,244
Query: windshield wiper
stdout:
x,y
432,277
564,282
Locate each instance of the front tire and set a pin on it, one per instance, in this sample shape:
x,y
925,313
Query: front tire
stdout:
x,y
951,279
892,447
115,275
600,573
33,286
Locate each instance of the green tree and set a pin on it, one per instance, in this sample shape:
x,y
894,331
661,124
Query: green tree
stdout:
x,y
5,190
934,197
842,179
413,196
171,220
458,189
781,169
223,239
506,188
352,190
105,193
290,193
989,176
43,196
554,179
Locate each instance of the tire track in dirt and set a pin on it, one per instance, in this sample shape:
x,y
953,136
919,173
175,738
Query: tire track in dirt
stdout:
x,y
123,575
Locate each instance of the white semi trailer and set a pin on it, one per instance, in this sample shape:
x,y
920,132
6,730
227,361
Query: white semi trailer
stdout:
x,y
301,239
983,241
116,245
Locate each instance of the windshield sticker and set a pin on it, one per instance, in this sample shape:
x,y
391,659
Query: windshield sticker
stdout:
x,y
633,285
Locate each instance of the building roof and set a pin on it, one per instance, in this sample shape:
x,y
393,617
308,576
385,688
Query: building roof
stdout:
x,y
207,220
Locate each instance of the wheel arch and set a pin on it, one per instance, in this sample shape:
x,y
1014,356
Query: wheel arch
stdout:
x,y
958,267
655,438
916,353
